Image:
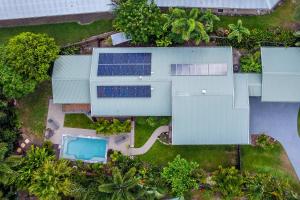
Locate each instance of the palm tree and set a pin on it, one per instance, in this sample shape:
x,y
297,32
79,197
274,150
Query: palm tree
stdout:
x,y
52,180
237,31
122,186
186,26
209,18
7,175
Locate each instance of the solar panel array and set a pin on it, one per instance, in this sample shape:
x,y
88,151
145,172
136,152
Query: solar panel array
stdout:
x,y
123,91
124,64
198,69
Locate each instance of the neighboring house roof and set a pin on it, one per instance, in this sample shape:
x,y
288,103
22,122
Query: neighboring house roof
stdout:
x,y
226,4
70,79
281,74
17,9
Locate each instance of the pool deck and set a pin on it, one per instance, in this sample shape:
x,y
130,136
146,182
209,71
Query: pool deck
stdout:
x,y
55,112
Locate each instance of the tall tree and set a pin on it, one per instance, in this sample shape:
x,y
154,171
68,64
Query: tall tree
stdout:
x,y
122,186
185,25
139,20
52,180
30,55
238,31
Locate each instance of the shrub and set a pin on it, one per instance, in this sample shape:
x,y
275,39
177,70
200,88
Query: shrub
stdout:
x,y
228,182
265,142
179,175
268,187
251,63
114,126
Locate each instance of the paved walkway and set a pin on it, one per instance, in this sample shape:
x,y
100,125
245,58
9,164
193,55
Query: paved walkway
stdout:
x,y
150,141
279,120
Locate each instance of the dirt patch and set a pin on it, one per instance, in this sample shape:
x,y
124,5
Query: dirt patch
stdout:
x,y
286,165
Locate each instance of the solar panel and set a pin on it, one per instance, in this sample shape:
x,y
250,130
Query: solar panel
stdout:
x,y
124,91
198,69
124,64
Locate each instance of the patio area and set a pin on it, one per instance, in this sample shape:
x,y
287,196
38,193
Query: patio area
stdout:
x,y
55,125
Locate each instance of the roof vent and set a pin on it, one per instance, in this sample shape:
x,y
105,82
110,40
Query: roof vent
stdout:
x,y
152,88
203,91
140,77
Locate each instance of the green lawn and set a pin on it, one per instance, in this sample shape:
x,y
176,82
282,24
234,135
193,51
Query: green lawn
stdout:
x,y
282,16
77,121
33,110
208,157
63,33
273,161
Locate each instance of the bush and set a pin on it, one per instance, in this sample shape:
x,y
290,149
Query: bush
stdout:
x,y
179,175
251,63
114,126
265,142
260,37
268,187
228,182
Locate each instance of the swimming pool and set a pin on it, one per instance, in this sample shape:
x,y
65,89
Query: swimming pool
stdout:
x,y
87,149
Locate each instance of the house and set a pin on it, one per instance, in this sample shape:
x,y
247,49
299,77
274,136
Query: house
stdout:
x,y
16,12
248,7
209,104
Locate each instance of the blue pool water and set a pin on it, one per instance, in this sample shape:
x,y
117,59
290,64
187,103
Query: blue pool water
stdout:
x,y
86,149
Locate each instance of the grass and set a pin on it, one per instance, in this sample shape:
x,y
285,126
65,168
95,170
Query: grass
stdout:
x,y
78,121
283,16
208,157
63,33
274,161
299,122
33,110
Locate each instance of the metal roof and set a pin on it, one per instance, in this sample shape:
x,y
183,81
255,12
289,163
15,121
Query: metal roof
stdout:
x,y
70,79
281,74
226,4
16,9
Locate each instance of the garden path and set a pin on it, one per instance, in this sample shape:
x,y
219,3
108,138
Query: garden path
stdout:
x,y
150,141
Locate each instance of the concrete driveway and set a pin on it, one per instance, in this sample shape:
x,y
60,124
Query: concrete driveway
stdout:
x,y
278,120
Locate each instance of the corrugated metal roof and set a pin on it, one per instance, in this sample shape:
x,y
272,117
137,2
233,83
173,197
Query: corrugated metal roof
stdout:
x,y
160,79
227,4
70,79
281,74
16,9
254,83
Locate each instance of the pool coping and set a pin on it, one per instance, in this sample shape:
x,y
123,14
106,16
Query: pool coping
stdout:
x,y
81,136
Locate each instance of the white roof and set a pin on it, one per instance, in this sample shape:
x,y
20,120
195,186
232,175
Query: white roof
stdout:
x,y
16,9
233,4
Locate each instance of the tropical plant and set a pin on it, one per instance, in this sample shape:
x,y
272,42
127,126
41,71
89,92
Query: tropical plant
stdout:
x,y
265,142
268,187
179,175
7,174
139,20
297,35
228,182
237,31
208,18
52,180
114,126
185,26
33,160
251,63
122,187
